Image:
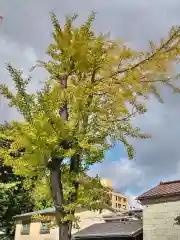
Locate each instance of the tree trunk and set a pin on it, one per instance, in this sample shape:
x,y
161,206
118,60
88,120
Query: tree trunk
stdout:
x,y
64,232
56,182
58,199
74,169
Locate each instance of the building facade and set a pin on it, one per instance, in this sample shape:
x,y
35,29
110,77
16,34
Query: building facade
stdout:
x,y
29,230
118,200
161,207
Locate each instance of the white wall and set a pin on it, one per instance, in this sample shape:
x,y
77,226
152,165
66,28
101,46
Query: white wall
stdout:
x,y
158,219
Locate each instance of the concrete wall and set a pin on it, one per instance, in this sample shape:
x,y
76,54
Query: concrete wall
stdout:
x,y
158,219
87,218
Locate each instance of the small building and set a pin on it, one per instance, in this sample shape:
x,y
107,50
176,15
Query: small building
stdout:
x,y
161,207
131,230
29,228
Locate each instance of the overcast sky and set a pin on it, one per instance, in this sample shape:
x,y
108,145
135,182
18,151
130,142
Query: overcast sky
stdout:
x,y
25,34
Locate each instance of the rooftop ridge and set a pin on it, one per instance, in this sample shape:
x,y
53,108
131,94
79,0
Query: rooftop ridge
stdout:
x,y
163,189
169,182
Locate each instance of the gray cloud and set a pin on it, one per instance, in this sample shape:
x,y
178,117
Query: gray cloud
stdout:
x,y
138,20
25,33
157,159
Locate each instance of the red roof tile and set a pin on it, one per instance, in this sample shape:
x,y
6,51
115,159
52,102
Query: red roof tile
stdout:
x,y
164,189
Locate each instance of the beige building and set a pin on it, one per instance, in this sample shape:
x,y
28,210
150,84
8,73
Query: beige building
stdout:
x,y
106,183
29,229
118,200
161,207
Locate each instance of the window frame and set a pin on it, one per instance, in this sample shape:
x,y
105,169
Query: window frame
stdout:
x,y
25,232
47,231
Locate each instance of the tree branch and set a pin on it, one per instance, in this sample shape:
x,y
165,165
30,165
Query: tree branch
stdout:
x,y
163,46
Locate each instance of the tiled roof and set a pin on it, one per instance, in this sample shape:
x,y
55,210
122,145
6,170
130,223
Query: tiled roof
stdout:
x,y
119,229
164,189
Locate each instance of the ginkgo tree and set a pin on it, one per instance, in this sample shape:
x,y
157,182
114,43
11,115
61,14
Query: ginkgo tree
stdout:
x,y
95,86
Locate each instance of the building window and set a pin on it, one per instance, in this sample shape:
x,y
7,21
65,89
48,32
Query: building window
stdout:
x,y
119,199
124,199
25,228
119,205
45,228
116,205
116,198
